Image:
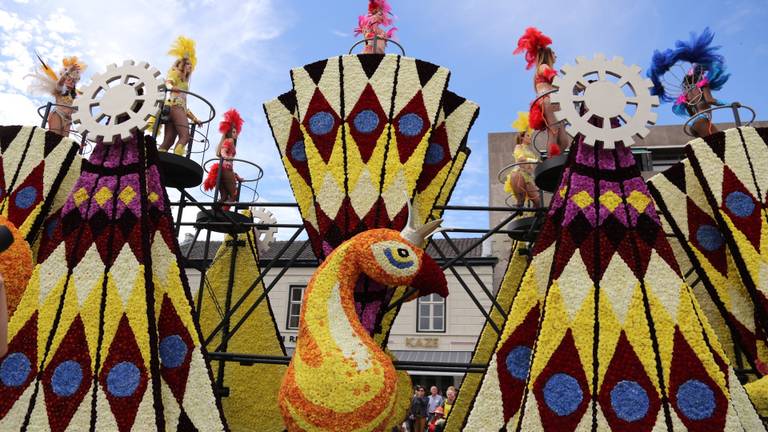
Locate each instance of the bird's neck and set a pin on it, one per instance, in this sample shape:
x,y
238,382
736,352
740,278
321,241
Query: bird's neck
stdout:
x,y
329,309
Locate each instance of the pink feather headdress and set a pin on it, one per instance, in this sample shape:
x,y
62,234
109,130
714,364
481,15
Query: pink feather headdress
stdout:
x,y
231,120
531,42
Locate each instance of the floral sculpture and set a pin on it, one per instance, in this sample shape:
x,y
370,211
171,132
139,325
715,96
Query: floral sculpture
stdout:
x,y
360,135
103,338
339,378
483,351
604,334
714,203
258,334
37,170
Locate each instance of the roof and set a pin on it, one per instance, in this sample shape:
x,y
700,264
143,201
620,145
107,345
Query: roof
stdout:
x,y
462,244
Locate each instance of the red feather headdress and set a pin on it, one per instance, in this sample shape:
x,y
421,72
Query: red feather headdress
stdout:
x,y
531,42
231,120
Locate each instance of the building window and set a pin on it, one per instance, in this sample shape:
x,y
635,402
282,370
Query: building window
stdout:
x,y
430,316
295,296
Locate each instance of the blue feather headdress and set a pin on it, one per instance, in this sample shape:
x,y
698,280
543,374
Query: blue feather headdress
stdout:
x,y
703,60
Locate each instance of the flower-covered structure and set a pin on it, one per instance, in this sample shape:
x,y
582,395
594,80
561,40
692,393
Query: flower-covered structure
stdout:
x,y
103,337
251,403
360,135
604,333
489,337
339,378
714,204
37,170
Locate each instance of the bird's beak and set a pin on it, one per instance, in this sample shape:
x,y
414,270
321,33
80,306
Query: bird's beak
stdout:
x,y
430,279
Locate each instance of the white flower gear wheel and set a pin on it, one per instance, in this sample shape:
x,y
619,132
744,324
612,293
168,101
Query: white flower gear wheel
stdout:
x,y
119,101
605,99
264,236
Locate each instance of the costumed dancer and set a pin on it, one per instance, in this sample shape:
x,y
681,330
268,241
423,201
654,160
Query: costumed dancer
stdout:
x,y
230,129
687,75
178,79
535,44
63,89
520,178
370,26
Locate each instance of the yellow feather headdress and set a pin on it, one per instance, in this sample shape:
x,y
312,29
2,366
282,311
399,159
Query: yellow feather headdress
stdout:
x,y
521,124
73,62
184,47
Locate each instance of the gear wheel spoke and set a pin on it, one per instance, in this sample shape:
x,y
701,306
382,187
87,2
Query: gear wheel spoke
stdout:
x,y
116,97
264,236
604,99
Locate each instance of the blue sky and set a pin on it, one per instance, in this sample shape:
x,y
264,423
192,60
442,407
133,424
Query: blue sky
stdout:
x,y
246,49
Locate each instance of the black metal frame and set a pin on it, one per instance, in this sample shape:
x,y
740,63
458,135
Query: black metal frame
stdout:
x,y
247,303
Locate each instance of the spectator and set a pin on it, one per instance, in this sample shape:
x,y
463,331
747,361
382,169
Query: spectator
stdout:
x,y
437,424
450,395
435,400
417,415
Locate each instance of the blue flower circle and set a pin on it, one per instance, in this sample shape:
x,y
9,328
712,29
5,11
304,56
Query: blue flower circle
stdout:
x,y
435,154
366,121
26,197
519,362
563,394
629,401
696,400
173,351
298,151
321,123
410,124
15,369
123,379
740,204
709,237
67,378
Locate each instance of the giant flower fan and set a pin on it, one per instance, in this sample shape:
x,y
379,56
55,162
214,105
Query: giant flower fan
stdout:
x,y
103,338
489,337
259,334
37,170
604,333
680,195
360,135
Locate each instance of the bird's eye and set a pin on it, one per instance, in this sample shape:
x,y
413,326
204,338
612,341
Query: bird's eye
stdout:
x,y
396,258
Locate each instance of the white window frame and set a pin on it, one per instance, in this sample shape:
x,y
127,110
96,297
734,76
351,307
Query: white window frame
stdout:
x,y
430,301
291,302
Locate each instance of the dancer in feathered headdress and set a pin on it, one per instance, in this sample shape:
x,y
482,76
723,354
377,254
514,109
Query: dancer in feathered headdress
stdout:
x,y
230,129
520,178
535,45
686,76
370,26
178,79
63,89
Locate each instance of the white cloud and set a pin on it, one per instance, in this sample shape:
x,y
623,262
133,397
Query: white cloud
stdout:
x,y
16,109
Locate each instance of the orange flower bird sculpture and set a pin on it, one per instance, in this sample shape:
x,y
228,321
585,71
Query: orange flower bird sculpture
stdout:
x,y
339,379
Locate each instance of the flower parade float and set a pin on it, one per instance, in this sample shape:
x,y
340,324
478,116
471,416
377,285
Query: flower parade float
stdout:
x,y
103,337
360,136
719,219
604,333
339,378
